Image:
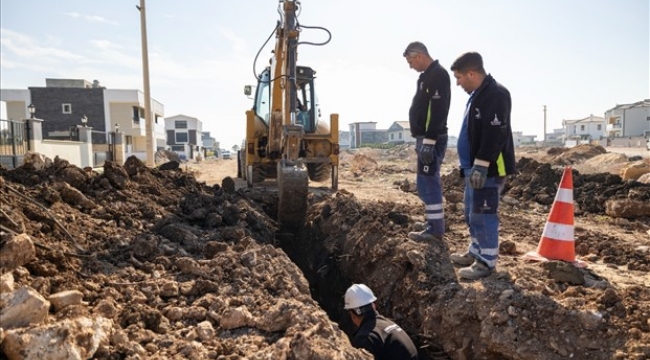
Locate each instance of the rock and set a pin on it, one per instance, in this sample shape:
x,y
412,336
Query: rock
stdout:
x,y
17,252
69,339
235,318
508,247
645,178
36,160
564,272
73,196
22,307
64,298
627,208
589,319
634,170
205,331
170,165
6,282
228,184
509,200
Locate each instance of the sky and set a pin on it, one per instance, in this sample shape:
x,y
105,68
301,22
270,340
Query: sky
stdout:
x,y
576,57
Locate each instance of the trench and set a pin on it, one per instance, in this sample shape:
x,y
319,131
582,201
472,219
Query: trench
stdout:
x,y
308,249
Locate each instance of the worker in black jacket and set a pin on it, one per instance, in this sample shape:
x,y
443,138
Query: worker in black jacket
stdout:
x,y
384,339
486,154
428,123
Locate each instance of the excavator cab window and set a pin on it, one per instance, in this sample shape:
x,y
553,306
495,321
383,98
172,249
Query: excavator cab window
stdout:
x,y
263,96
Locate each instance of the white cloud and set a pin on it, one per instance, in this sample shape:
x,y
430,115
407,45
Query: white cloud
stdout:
x,y
28,49
90,18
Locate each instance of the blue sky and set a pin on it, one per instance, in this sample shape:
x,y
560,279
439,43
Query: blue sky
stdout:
x,y
578,57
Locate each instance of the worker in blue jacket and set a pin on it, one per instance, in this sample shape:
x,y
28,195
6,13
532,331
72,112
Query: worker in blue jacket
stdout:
x,y
486,154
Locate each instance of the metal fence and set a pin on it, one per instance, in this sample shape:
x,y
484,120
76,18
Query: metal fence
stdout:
x,y
14,142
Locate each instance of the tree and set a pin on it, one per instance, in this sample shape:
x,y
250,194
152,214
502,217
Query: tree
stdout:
x,y
235,148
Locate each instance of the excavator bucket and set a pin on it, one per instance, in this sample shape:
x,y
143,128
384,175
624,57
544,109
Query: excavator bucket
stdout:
x,y
293,187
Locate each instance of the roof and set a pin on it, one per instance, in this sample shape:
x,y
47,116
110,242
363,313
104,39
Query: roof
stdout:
x,y
642,103
588,119
405,125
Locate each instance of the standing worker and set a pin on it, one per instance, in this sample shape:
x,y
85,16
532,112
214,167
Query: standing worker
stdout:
x,y
384,339
486,154
428,122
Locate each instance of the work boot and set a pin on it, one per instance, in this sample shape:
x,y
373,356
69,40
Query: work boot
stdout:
x,y
476,271
464,259
423,236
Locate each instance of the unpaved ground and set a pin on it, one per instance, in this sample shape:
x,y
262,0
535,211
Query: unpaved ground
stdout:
x,y
187,269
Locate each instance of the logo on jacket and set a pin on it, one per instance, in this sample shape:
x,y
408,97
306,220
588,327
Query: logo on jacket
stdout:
x,y
478,114
436,96
495,121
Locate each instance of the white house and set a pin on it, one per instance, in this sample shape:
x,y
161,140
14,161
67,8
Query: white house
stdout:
x,y
582,131
519,138
366,132
184,135
400,132
344,139
627,120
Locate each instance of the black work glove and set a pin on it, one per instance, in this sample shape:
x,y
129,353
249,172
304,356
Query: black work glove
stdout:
x,y
428,151
477,176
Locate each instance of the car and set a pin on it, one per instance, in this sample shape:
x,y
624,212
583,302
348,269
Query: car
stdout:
x,y
225,154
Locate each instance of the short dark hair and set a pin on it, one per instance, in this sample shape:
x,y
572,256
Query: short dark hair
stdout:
x,y
362,310
469,61
417,47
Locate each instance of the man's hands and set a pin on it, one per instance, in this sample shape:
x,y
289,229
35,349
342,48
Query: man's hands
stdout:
x,y
428,151
478,176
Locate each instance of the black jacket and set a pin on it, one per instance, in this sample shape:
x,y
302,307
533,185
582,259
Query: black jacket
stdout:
x,y
384,339
489,130
430,106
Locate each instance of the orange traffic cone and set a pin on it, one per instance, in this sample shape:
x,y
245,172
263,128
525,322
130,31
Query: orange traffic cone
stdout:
x,y
557,241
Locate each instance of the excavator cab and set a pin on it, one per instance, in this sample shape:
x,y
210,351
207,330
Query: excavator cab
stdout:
x,y
284,138
306,97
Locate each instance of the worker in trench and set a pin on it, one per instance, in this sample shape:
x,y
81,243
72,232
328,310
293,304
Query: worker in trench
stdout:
x,y
384,339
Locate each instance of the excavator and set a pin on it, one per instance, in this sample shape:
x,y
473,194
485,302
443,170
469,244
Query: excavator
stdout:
x,y
285,138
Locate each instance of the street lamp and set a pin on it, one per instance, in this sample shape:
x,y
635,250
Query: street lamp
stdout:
x,y
84,121
32,110
117,128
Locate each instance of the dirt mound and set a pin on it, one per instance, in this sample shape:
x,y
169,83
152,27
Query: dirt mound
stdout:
x,y
174,268
576,154
183,270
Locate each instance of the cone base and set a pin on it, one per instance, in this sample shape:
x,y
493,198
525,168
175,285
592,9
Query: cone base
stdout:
x,y
557,249
534,256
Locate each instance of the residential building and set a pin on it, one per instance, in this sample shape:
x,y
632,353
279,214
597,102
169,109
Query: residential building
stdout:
x,y
344,139
362,133
400,132
184,135
556,137
629,120
208,142
520,139
62,104
584,130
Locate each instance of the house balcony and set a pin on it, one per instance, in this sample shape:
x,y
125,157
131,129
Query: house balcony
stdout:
x,y
613,129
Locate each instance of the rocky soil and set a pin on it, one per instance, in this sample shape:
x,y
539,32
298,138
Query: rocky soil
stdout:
x,y
137,263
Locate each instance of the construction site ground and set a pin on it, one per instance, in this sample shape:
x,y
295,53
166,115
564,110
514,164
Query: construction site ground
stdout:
x,y
188,263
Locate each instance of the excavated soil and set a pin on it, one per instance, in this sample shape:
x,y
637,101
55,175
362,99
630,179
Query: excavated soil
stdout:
x,y
184,269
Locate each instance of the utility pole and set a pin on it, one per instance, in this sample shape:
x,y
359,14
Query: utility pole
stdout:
x,y
147,95
544,125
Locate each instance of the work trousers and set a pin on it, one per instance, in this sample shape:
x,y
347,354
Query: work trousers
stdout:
x,y
482,218
429,186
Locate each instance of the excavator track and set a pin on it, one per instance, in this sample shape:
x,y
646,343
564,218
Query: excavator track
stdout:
x,y
293,188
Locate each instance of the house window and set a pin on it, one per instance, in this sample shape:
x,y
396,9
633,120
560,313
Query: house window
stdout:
x,y
138,113
400,136
582,128
180,124
392,136
67,108
178,148
181,137
599,126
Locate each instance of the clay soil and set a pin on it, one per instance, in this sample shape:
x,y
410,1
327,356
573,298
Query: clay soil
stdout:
x,y
189,263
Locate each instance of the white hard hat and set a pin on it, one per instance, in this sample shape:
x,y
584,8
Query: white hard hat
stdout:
x,y
357,296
